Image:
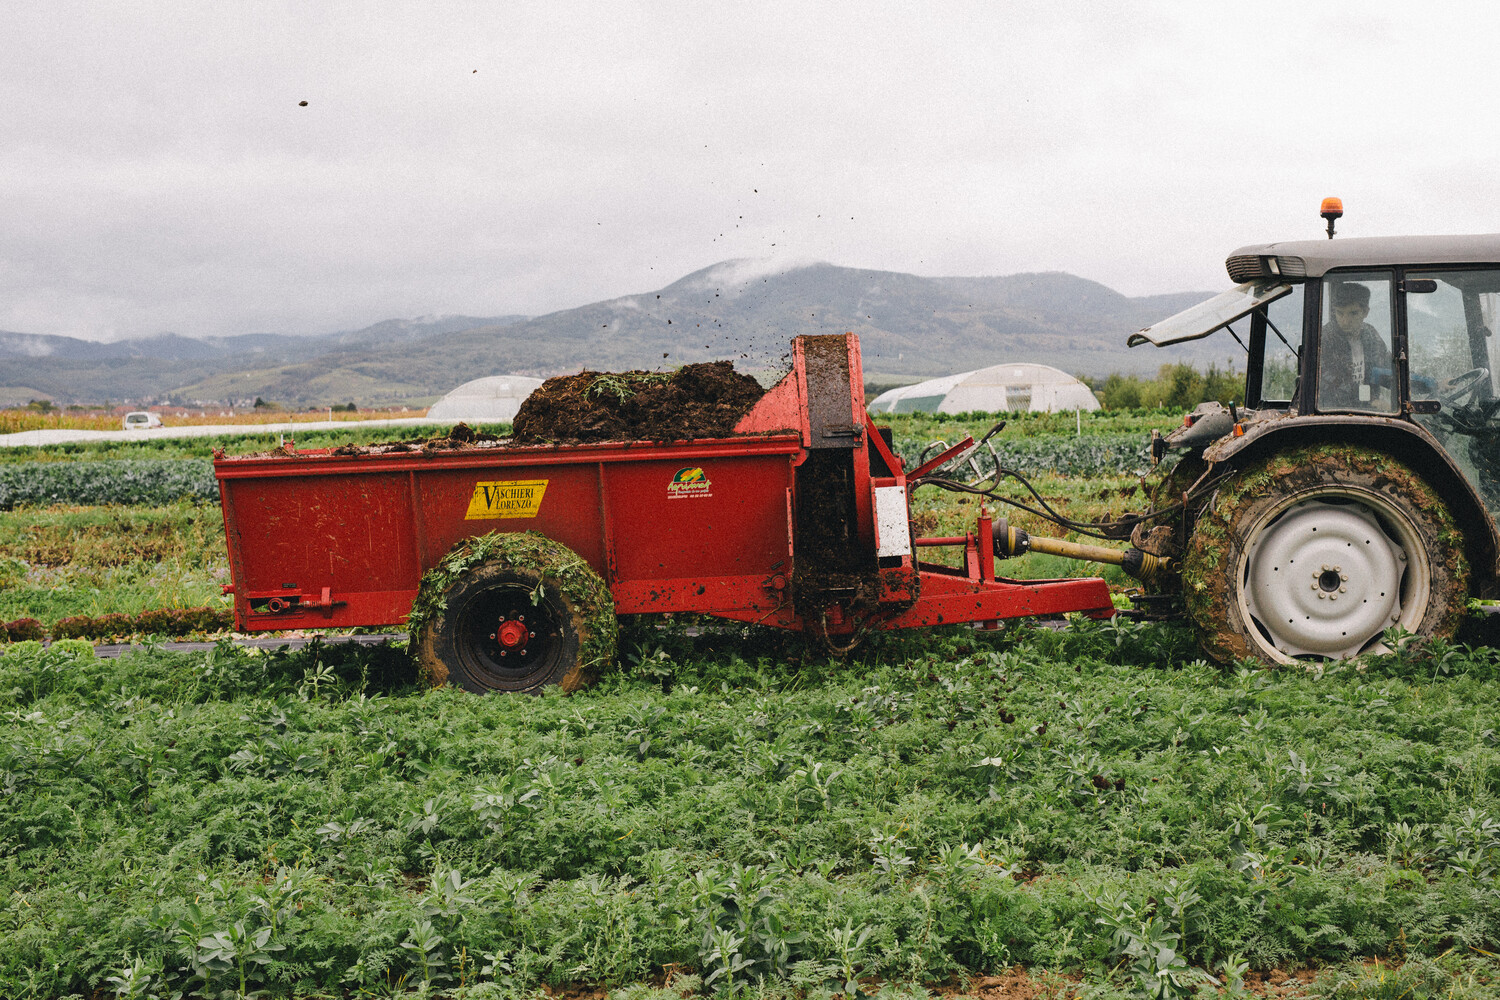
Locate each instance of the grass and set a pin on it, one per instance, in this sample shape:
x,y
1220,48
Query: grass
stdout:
x,y
1098,802
62,561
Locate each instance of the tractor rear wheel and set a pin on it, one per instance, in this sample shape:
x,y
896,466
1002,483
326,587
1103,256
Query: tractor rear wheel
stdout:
x,y
513,612
1314,553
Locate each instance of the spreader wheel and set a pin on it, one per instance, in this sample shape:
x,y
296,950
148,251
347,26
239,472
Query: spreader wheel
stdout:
x,y
1313,555
528,613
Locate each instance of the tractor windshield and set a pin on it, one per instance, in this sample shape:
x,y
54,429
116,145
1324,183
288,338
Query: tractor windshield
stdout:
x,y
1355,367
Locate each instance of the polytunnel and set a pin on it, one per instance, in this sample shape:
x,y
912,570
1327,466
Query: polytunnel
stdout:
x,y
491,400
998,388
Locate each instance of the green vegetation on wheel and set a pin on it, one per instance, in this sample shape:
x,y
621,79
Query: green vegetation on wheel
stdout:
x,y
1315,552
513,612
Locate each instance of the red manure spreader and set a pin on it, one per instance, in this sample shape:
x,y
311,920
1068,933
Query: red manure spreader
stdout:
x,y
510,562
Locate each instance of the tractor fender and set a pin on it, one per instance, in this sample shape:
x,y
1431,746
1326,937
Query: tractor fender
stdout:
x,y
1403,440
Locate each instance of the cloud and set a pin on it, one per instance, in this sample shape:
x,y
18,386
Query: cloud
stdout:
x,y
159,173
733,277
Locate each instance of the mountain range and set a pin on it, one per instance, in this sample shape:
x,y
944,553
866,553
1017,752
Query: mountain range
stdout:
x,y
910,327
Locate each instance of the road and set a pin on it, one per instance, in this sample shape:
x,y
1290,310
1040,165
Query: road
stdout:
x,y
39,439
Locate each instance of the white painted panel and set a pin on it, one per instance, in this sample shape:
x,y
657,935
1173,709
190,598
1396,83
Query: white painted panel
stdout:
x,y
892,530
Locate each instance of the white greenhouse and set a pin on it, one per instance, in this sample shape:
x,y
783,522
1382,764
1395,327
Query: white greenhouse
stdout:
x,y
491,400
998,388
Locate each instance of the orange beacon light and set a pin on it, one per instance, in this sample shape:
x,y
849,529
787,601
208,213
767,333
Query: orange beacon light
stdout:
x,y
1332,210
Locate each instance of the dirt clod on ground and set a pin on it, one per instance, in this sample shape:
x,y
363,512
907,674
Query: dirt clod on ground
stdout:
x,y
695,401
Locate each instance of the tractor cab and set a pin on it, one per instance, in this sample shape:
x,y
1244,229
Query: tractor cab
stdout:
x,y
1358,488
1362,332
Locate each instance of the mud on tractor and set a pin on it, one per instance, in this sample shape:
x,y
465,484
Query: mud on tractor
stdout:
x,y
1358,486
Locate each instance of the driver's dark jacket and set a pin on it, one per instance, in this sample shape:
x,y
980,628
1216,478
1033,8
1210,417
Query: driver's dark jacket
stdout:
x,y
1337,385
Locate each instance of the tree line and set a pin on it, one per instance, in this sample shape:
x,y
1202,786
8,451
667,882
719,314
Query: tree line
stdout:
x,y
1176,386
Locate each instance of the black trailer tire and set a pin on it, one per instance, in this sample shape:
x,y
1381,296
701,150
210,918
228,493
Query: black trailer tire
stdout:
x,y
1313,553
513,612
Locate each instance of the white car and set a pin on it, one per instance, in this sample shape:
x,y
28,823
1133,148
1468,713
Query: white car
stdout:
x,y
140,420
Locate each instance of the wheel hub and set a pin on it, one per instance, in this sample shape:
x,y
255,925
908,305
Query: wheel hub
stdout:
x,y
1324,579
512,636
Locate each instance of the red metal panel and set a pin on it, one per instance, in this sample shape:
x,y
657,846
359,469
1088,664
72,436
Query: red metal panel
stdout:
x,y
856,382
425,556
366,527
985,546
864,500
236,546
351,528
607,518
955,598
780,409
722,595
714,517
564,506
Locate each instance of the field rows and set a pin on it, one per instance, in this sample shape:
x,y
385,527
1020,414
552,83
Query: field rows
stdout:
x,y
729,805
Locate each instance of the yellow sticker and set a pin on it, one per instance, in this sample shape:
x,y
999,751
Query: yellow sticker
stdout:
x,y
512,498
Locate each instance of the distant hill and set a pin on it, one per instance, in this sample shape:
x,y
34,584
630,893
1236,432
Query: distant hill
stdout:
x,y
910,327
70,370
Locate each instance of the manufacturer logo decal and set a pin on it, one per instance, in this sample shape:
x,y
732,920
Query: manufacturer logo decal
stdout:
x,y
511,498
691,482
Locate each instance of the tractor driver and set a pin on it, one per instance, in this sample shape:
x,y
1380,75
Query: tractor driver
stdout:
x,y
1354,359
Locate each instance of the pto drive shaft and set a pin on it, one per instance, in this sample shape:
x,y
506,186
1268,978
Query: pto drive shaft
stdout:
x,y
1141,565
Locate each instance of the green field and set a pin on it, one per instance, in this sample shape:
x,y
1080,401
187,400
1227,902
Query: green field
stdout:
x,y
751,817
730,812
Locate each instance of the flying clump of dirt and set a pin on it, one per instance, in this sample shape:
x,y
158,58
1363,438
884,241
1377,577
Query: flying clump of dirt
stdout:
x,y
695,401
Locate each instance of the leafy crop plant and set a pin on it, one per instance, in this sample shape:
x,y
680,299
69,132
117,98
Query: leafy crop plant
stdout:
x,y
952,804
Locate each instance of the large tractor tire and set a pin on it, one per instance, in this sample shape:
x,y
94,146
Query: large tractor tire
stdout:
x,y
513,612
1314,553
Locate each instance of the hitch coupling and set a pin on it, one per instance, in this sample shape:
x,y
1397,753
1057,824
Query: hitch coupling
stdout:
x,y
1143,566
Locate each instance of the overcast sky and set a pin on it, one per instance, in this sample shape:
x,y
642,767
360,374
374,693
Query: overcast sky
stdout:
x,y
158,174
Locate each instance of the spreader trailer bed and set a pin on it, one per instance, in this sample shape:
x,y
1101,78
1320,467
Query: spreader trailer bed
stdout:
x,y
511,562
